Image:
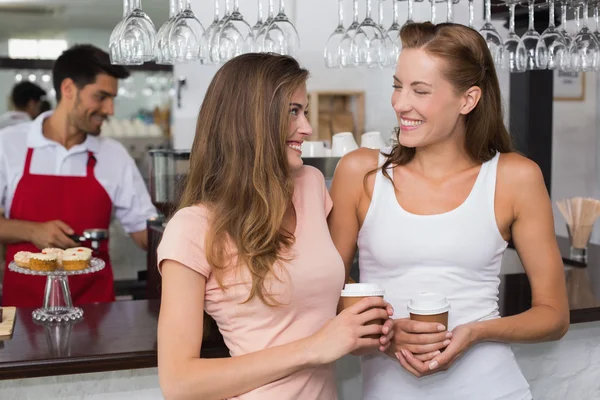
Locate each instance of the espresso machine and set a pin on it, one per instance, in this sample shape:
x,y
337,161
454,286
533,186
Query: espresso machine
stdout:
x,y
168,172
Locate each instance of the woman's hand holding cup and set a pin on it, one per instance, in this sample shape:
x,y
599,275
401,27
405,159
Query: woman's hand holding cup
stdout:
x,y
357,329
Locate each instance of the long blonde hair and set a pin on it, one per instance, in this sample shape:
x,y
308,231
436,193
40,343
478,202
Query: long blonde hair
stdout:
x,y
239,167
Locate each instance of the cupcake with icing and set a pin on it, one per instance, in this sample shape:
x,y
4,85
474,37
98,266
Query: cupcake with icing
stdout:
x,y
55,251
84,250
43,262
22,259
76,260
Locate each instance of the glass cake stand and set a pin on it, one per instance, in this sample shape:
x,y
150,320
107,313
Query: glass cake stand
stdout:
x,y
58,306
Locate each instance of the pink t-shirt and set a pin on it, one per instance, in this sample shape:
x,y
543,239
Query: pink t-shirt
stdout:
x,y
309,291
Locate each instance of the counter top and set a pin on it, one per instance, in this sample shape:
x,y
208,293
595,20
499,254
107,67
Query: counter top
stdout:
x,y
122,335
583,284
111,336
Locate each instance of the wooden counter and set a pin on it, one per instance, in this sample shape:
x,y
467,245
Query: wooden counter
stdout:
x,y
112,336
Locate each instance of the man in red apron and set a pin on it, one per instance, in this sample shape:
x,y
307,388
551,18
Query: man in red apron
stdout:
x,y
45,207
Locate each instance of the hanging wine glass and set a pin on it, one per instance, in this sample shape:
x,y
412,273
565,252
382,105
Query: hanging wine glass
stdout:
x,y
258,25
369,41
186,36
236,35
209,34
537,52
585,49
332,48
554,41
388,43
348,48
491,36
393,33
565,35
163,55
260,38
283,33
113,41
514,55
471,14
215,43
137,36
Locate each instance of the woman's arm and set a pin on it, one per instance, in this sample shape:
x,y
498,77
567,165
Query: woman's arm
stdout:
x,y
535,241
183,375
348,193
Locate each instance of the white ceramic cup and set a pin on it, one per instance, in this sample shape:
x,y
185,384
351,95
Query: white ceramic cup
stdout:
x,y
313,149
343,143
372,140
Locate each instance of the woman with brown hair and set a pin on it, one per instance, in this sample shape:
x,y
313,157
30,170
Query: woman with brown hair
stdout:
x,y
435,214
251,246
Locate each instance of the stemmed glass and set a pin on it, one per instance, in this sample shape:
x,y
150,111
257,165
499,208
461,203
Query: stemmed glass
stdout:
x,y
554,41
491,36
348,48
332,48
393,33
388,43
186,36
369,40
215,44
283,33
514,55
565,34
236,35
537,52
597,20
471,13
163,55
432,15
259,38
585,49
258,25
209,34
137,36
113,42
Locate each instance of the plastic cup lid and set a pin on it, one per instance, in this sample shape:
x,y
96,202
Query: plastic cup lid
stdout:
x,y
362,290
428,304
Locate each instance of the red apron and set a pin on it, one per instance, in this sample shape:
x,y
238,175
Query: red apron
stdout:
x,y
79,201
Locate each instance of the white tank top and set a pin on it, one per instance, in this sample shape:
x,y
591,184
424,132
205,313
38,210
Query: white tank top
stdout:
x,y
457,253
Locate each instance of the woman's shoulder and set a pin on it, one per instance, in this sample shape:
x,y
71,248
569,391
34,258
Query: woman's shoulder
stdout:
x,y
193,217
518,170
358,163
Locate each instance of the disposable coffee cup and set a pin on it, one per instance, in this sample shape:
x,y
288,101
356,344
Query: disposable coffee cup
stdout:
x,y
429,307
355,292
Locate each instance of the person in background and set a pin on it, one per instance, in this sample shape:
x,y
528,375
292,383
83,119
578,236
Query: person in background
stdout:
x,y
58,177
26,100
250,245
435,214
45,106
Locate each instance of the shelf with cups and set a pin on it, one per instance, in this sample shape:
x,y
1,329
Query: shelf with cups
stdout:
x,y
182,38
333,112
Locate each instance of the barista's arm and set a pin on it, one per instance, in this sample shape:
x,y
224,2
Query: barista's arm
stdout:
x,y
140,238
41,234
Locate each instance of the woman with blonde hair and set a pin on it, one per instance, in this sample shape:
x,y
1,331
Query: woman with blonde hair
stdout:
x,y
435,214
251,246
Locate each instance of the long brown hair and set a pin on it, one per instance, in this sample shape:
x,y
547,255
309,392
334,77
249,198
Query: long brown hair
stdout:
x,y
239,168
467,63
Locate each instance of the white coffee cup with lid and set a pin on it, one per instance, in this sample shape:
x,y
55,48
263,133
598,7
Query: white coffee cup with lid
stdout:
x,y
355,292
429,307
